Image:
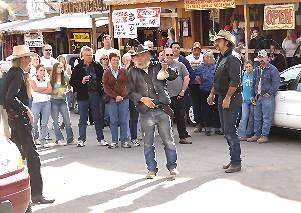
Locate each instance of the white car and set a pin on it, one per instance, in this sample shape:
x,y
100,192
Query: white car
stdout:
x,y
288,99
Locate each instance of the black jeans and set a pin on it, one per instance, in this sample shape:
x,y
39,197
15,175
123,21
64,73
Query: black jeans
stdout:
x,y
195,95
228,119
178,106
134,115
210,113
22,137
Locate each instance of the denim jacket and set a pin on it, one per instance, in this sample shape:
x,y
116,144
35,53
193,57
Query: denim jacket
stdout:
x,y
270,81
206,72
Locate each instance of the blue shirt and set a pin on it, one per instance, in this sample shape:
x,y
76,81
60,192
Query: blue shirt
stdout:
x,y
206,72
114,73
247,86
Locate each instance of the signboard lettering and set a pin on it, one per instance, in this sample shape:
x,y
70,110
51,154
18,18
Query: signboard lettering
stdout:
x,y
33,39
279,17
83,6
81,37
208,4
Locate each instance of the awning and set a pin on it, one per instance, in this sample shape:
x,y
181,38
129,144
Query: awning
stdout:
x,y
55,23
7,26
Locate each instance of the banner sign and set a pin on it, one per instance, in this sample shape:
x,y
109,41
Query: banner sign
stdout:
x,y
33,39
278,17
83,6
125,31
127,21
208,4
81,37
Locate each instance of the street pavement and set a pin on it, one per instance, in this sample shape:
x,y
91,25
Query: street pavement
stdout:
x,y
96,179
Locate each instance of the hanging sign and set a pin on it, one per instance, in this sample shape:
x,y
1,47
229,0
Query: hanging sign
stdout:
x,y
33,39
127,21
125,31
81,37
83,6
208,4
278,17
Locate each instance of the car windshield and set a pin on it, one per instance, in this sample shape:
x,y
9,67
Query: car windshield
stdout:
x,y
290,74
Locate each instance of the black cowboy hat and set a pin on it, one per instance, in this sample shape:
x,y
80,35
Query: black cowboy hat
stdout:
x,y
139,50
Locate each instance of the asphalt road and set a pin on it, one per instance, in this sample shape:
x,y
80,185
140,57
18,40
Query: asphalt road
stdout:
x,y
96,179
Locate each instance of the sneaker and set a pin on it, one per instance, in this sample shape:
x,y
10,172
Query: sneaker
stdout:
x,y
126,145
243,138
48,138
102,143
45,145
253,139
37,142
61,142
198,129
263,139
71,142
185,141
173,172
151,175
135,142
113,146
80,143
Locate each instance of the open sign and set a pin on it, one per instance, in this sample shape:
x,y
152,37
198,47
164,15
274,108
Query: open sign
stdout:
x,y
278,17
148,12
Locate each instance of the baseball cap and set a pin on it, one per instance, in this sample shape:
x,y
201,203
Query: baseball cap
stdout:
x,y
262,53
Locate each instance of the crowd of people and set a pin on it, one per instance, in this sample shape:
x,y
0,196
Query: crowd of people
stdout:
x,y
140,86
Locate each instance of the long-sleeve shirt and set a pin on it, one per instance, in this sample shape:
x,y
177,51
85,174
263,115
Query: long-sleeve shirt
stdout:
x,y
141,84
16,97
206,73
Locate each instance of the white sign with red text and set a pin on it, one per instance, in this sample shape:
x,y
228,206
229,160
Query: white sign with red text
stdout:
x,y
128,20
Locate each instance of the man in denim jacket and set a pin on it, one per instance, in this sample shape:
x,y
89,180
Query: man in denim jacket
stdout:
x,y
266,84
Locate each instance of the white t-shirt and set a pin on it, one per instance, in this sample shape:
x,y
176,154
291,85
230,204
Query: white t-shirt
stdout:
x,y
40,97
193,61
48,62
289,47
104,51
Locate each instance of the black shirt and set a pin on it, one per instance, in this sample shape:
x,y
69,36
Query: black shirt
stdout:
x,y
16,97
228,73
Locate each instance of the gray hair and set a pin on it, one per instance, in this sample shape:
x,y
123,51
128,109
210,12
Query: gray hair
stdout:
x,y
85,49
208,52
16,62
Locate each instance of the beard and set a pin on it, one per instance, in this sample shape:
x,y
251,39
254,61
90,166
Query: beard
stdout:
x,y
143,65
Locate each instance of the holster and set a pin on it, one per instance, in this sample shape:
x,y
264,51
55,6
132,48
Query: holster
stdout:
x,y
166,108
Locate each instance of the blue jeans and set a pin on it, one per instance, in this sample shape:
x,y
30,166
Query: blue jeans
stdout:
x,y
60,106
246,125
228,119
70,99
118,112
149,121
263,115
94,102
44,109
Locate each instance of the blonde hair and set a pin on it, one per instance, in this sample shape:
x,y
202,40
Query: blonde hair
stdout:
x,y
85,49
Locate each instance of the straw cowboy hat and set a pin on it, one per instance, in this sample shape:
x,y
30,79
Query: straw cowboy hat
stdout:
x,y
21,51
225,35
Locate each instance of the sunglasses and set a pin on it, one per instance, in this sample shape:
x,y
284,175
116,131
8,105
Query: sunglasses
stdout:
x,y
168,54
105,59
48,49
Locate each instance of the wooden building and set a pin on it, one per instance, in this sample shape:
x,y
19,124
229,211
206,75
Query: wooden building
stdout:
x,y
201,22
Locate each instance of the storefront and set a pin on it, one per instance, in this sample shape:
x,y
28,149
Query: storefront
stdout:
x,y
199,20
66,33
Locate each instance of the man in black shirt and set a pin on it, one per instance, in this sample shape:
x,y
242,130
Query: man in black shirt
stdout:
x,y
227,86
20,119
86,81
146,85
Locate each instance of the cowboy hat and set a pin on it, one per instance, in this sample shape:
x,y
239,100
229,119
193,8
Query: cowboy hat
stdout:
x,y
225,35
139,50
21,51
